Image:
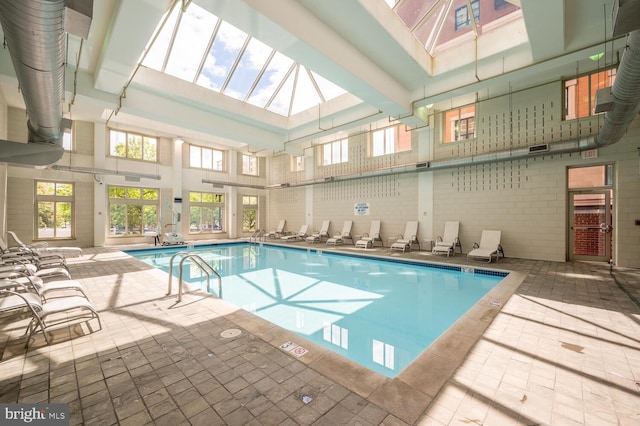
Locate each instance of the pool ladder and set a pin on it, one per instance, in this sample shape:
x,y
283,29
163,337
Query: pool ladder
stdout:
x,y
200,263
257,236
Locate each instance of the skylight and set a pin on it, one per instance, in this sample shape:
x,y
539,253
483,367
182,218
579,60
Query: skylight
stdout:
x,y
197,46
440,24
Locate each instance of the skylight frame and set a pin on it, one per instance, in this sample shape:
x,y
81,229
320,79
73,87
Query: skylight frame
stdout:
x,y
221,80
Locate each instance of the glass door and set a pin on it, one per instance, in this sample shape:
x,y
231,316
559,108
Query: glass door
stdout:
x,y
590,225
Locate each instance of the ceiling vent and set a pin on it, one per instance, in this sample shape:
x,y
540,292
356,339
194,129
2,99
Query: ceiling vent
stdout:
x,y
534,149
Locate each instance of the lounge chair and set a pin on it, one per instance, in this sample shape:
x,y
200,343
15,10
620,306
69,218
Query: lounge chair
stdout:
x,y
317,236
47,315
278,231
368,240
489,246
32,270
344,235
22,281
409,238
302,234
447,243
27,255
43,246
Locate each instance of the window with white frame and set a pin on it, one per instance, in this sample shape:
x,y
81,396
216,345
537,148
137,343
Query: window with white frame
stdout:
x,y
580,93
459,124
206,158
335,152
206,212
133,211
249,165
134,146
390,140
297,163
249,213
54,210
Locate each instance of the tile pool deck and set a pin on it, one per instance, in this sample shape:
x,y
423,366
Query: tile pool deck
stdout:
x,y
556,344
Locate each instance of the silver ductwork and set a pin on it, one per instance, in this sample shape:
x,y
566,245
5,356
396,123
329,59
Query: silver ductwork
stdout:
x,y
625,93
35,36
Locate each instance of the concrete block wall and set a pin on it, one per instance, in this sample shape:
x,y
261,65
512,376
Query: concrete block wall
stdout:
x,y
288,204
392,199
627,201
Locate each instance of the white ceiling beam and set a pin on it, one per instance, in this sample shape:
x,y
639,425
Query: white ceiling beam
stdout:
x,y
131,27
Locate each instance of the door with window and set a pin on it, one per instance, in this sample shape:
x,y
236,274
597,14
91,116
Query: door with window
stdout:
x,y
591,213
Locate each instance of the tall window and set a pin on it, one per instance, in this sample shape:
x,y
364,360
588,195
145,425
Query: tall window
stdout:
x,y
132,211
67,140
459,124
580,93
390,140
463,18
206,158
132,145
249,165
335,152
206,212
249,213
297,163
54,210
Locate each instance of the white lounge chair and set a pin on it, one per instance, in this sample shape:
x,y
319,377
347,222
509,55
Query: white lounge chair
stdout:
x,y
47,315
43,247
22,281
447,243
302,234
317,236
24,254
489,246
368,240
278,231
409,238
344,235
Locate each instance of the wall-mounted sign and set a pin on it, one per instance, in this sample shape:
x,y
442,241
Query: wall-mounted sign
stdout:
x,y
361,209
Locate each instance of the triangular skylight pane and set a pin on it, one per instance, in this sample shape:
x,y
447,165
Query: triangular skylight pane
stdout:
x,y
158,50
191,41
327,88
426,31
441,24
281,103
412,11
252,62
306,95
225,49
270,80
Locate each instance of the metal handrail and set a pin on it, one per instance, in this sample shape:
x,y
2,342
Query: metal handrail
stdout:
x,y
256,235
198,261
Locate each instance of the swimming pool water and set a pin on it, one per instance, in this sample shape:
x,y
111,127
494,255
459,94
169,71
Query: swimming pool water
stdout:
x,y
380,314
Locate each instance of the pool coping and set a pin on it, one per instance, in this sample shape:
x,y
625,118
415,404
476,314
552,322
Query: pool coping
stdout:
x,y
409,393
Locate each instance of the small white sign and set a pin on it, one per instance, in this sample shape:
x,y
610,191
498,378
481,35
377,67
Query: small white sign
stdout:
x,y
288,346
361,209
590,153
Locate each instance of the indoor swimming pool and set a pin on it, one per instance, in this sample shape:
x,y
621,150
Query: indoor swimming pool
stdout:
x,y
379,313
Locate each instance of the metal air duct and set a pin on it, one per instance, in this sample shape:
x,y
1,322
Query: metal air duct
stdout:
x,y
35,36
625,93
